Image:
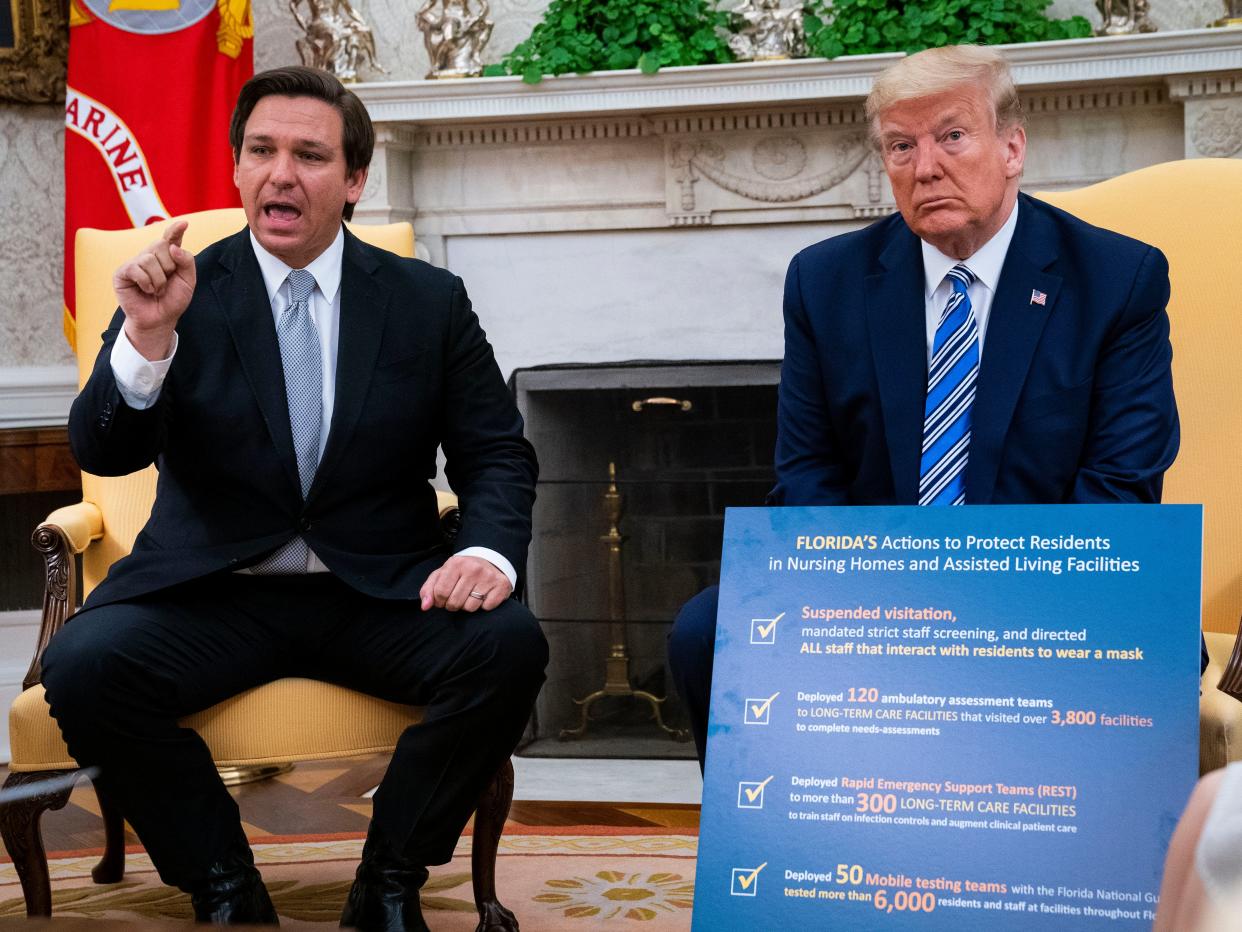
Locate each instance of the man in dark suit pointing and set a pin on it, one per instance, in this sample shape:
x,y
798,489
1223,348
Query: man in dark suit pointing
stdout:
x,y
977,347
293,385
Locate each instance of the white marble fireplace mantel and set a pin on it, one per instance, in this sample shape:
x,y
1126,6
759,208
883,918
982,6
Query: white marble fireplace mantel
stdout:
x,y
612,216
1035,64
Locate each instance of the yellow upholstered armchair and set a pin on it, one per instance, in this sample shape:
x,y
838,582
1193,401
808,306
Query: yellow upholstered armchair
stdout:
x,y
287,720
1190,210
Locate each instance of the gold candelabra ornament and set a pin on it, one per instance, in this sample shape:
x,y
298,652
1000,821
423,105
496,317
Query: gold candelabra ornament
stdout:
x,y
1233,15
617,663
335,38
762,31
1123,17
454,34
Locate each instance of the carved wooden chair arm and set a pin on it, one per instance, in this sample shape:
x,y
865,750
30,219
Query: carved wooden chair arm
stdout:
x,y
1231,680
66,532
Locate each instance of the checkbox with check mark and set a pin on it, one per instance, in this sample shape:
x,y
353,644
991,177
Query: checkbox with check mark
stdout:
x,y
757,710
763,630
750,794
746,880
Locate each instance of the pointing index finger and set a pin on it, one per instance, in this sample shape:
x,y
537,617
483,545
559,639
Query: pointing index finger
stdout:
x,y
175,231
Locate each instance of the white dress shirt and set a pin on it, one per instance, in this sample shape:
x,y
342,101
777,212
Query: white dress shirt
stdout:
x,y
986,263
140,380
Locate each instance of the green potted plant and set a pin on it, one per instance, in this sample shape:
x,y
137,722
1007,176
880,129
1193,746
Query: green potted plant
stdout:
x,y
604,35
858,27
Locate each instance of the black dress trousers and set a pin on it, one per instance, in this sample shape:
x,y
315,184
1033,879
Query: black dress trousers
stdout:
x,y
118,678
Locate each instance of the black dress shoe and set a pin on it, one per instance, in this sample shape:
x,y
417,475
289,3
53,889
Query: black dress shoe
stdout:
x,y
384,897
232,893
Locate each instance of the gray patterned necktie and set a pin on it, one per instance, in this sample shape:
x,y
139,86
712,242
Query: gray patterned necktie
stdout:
x,y
303,368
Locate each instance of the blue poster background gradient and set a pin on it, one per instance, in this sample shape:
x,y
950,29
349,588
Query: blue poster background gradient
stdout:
x,y
1132,782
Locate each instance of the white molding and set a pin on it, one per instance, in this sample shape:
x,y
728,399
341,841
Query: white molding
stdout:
x,y
1035,64
36,396
395,136
1206,86
19,619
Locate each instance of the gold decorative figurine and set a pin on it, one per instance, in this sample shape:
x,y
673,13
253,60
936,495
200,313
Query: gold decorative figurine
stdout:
x,y
336,38
763,31
1123,17
454,34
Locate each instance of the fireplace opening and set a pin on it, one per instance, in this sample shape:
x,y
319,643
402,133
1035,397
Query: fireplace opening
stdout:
x,y
638,462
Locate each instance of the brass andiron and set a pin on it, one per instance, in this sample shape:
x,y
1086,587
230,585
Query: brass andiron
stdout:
x,y
617,664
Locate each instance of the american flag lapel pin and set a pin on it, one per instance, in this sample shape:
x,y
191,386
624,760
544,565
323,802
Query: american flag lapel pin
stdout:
x,y
1038,297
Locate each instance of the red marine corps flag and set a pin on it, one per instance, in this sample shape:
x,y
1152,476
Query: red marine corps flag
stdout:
x,y
151,88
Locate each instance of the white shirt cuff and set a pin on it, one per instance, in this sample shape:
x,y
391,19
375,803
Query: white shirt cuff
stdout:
x,y
495,559
138,379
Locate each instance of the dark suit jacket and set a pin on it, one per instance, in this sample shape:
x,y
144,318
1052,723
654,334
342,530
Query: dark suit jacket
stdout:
x,y
1074,399
414,371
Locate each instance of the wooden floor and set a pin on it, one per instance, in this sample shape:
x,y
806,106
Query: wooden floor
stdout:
x,y
327,797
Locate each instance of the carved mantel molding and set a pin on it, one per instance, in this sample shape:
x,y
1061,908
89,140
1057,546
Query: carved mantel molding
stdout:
x,y
1213,109
751,84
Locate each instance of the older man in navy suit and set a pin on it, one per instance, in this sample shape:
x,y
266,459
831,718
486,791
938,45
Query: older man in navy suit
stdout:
x,y
977,347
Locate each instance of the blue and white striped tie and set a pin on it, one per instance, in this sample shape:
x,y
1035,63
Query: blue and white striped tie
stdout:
x,y
303,368
950,395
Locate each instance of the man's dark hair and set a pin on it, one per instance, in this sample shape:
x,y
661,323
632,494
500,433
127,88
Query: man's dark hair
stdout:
x,y
357,134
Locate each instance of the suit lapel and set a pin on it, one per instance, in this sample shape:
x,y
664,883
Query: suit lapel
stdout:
x,y
364,311
896,326
242,297
1015,324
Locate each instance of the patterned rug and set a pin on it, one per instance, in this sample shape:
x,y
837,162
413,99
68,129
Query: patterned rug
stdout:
x,y
578,877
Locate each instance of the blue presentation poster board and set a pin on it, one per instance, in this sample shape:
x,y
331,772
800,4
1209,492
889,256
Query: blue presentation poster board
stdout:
x,y
972,718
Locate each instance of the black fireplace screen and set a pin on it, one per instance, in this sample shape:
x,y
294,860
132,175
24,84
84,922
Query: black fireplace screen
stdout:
x,y
673,456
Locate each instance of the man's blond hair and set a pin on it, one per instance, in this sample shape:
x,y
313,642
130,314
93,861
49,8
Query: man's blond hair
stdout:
x,y
934,71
